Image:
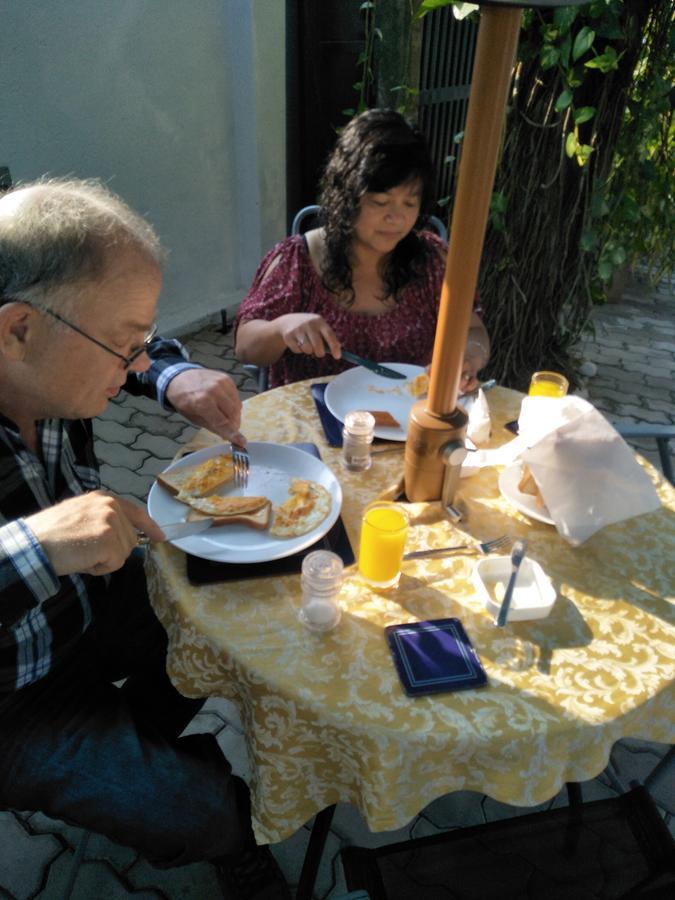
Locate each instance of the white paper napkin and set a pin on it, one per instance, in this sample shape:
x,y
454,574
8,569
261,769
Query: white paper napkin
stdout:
x,y
587,474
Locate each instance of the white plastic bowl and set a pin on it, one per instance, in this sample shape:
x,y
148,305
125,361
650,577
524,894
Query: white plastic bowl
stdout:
x,y
533,595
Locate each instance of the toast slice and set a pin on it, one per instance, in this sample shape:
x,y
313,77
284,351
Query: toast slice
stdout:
x,y
527,485
259,519
200,479
216,505
384,419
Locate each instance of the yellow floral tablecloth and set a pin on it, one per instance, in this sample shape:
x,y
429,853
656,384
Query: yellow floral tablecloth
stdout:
x,y
325,716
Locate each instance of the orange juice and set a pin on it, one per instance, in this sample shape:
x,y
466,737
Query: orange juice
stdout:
x,y
383,533
548,384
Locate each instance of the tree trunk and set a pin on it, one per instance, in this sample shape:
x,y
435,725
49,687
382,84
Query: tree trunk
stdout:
x,y
535,281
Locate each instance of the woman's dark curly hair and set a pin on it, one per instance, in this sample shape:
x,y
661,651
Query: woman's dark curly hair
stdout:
x,y
378,150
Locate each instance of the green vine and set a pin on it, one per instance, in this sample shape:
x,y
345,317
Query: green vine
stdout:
x,y
585,181
365,62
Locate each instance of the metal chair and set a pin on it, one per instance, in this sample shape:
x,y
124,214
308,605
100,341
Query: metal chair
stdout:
x,y
313,211
662,434
618,848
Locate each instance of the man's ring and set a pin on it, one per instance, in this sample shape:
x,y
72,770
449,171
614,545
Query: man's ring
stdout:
x,y
300,341
142,540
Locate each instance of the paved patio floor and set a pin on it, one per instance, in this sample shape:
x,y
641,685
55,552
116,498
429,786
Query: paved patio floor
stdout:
x,y
634,350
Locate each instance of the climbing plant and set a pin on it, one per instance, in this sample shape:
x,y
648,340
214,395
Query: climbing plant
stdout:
x,y
564,219
584,184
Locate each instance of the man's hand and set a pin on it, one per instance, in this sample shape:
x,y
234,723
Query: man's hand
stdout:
x,y
92,533
210,399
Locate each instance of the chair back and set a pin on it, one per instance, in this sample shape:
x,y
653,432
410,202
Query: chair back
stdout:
x,y
662,434
313,211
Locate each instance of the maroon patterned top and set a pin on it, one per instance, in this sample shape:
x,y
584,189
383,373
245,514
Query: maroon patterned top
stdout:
x,y
403,334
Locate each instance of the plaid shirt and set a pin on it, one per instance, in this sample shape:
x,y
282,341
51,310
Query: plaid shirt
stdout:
x,y
43,616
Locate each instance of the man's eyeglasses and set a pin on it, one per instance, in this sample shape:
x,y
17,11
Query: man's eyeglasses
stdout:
x,y
126,360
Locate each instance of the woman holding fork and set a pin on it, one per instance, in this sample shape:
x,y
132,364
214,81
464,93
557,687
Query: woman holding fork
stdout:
x,y
369,278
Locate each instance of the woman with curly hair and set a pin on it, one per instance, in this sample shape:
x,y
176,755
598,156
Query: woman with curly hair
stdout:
x,y
369,279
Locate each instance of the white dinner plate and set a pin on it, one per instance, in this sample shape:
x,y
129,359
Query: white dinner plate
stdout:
x,y
359,388
272,468
509,478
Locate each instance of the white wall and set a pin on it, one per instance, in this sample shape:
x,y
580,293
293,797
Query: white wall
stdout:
x,y
178,104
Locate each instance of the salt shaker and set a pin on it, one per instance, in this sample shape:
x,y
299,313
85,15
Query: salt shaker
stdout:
x,y
321,582
357,436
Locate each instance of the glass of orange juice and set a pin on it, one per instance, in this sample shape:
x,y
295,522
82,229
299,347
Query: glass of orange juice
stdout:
x,y
548,384
384,528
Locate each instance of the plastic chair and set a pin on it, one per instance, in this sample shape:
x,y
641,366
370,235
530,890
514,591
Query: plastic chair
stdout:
x,y
618,848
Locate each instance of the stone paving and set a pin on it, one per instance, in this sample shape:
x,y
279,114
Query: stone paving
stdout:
x,y
633,348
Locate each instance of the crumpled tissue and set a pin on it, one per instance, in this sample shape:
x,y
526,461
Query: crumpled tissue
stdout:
x,y
587,475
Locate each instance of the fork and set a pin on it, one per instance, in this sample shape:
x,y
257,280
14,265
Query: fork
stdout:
x,y
242,465
484,547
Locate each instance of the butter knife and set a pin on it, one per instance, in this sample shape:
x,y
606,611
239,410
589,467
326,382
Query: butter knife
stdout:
x,y
373,366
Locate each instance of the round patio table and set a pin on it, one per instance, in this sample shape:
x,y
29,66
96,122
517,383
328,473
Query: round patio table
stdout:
x,y
325,716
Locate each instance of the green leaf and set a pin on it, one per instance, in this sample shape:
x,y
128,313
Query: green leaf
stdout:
x,y
549,56
573,78
378,34
549,34
583,42
458,138
605,269
449,159
367,4
588,241
563,17
563,100
348,112
357,85
363,56
565,50
583,114
571,144
607,61
429,5
583,153
618,256
498,202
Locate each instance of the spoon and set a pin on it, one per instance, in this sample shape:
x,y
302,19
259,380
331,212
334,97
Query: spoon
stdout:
x,y
517,556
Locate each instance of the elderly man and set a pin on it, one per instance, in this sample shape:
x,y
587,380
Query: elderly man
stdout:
x,y
79,282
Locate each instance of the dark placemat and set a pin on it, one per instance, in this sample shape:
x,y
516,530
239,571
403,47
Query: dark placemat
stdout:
x,y
206,571
332,427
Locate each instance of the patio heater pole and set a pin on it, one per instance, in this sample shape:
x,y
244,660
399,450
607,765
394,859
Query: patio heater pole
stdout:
x,y
436,425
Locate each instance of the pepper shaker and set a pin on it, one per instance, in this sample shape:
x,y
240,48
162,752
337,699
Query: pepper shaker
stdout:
x,y
357,436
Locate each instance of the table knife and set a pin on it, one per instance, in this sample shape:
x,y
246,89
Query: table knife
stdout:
x,y
174,531
373,366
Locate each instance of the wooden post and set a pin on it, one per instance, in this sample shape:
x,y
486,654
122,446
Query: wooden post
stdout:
x,y
437,420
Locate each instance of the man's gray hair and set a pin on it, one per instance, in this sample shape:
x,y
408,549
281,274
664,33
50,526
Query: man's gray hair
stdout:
x,y
59,234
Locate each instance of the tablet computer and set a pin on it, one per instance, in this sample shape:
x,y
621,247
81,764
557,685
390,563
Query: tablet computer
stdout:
x,y
435,656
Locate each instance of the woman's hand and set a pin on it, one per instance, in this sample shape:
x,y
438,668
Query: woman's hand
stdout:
x,y
476,356
308,333
474,360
